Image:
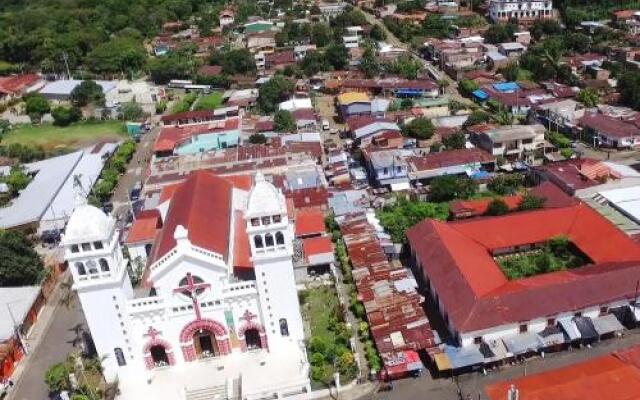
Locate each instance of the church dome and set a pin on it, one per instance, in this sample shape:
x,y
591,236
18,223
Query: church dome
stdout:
x,y
88,223
264,198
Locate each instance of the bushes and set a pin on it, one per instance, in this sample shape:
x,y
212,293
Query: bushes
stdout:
x,y
65,116
111,174
184,104
404,214
22,152
506,184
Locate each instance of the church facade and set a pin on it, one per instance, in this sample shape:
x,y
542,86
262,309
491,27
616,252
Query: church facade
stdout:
x,y
217,297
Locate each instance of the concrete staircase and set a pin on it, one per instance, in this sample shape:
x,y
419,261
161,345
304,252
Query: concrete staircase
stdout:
x,y
209,393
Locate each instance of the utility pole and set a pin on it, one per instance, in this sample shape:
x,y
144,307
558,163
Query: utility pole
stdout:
x,y
16,327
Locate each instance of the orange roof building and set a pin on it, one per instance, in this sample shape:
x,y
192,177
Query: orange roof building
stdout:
x,y
309,223
475,296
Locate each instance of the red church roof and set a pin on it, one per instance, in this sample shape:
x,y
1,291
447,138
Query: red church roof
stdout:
x,y
456,257
201,204
145,227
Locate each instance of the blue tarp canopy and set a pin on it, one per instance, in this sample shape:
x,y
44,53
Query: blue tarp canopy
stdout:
x,y
408,92
506,87
480,94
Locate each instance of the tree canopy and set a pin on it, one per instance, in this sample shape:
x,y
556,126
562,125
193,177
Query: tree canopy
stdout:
x,y
497,207
87,92
589,97
235,61
419,128
20,265
273,92
402,215
451,187
284,122
454,141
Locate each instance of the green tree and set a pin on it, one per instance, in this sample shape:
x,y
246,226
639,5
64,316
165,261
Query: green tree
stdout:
x,y
406,67
273,92
87,92
337,56
236,61
36,106
17,179
402,215
120,54
57,378
467,86
65,116
131,111
497,207
313,63
476,117
377,33
506,184
419,128
368,64
284,122
451,187
456,140
589,97
257,138
20,265
321,34
531,202
164,69
5,127
500,33
511,71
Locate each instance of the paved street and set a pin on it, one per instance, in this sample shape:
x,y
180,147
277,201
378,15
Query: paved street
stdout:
x,y
57,337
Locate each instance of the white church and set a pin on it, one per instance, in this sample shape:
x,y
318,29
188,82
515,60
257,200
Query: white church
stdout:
x,y
217,314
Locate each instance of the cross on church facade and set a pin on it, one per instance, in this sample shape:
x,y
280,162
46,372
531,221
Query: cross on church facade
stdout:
x,y
191,290
152,333
248,316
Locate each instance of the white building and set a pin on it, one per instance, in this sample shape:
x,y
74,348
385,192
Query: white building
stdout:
x,y
521,10
218,311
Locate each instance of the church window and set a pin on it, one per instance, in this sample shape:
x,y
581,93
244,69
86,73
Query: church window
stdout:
x,y
268,240
257,241
74,248
104,265
185,283
120,357
86,246
279,238
80,268
266,220
92,267
276,219
97,245
255,221
284,327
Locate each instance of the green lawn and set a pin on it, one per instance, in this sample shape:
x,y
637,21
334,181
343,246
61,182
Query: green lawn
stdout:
x,y
209,102
73,137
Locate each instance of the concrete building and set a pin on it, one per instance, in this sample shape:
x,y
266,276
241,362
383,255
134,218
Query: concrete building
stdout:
x,y
518,142
521,10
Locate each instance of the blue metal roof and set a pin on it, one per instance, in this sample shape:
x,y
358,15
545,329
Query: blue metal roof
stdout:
x,y
506,87
480,94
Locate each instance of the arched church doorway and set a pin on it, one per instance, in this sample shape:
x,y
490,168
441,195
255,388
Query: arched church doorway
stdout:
x,y
159,355
252,337
205,344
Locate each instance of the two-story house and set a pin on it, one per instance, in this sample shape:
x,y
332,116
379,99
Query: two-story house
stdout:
x,y
518,142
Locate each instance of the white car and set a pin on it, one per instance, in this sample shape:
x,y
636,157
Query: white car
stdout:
x,y
325,125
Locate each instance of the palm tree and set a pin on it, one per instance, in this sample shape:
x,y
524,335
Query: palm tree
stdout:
x,y
443,84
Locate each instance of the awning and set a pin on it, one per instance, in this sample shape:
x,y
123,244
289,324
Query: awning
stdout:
x,y
480,94
607,324
442,362
585,326
551,336
395,187
494,350
569,327
522,343
466,356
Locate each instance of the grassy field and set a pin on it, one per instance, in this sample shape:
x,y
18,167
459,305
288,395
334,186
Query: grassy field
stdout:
x,y
320,306
73,137
209,102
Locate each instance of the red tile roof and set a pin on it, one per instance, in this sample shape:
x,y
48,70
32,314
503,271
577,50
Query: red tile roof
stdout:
x,y
309,223
16,84
202,205
241,248
472,208
456,257
614,375
317,245
170,119
145,227
609,126
449,158
553,196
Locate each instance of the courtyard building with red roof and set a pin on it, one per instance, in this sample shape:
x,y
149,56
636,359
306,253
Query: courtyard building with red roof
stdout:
x,y
459,264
